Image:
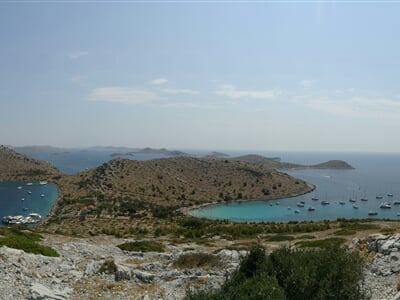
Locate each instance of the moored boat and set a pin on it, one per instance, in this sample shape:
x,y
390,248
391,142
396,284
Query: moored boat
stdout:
x,y
300,204
385,205
311,208
372,213
324,202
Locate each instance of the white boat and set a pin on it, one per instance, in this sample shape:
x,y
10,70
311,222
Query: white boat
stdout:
x,y
20,187
385,205
355,206
390,195
325,202
29,183
311,208
42,182
352,200
378,197
29,192
296,211
300,204
42,195
342,202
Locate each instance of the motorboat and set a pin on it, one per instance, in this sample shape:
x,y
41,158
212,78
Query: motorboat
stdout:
x,y
385,205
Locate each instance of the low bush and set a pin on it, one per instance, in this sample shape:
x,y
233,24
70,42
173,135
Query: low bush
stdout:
x,y
24,240
108,267
329,274
142,246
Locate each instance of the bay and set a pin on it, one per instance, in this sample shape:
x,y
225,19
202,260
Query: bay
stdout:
x,y
17,198
375,174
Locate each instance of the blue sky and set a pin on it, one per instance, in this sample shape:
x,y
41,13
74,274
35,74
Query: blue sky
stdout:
x,y
260,76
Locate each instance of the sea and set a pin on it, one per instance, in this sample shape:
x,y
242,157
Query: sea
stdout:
x,y
375,174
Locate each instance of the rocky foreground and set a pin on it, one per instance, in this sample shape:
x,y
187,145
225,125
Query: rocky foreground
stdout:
x,y
77,274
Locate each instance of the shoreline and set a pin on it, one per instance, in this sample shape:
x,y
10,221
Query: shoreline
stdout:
x,y
187,210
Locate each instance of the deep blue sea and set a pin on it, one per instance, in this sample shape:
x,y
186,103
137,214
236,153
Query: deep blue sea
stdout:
x,y
374,174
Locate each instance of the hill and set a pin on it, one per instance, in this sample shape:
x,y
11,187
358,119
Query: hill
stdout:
x,y
18,167
125,187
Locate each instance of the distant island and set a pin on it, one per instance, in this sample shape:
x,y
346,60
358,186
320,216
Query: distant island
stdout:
x,y
276,163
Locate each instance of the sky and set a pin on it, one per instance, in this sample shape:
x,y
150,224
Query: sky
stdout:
x,y
262,75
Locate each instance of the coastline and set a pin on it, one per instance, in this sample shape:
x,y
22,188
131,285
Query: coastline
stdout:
x,y
187,210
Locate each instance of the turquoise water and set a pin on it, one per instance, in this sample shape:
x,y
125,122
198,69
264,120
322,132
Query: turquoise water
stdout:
x,y
375,174
11,202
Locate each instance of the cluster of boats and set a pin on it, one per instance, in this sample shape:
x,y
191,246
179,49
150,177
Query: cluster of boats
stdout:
x,y
32,218
382,205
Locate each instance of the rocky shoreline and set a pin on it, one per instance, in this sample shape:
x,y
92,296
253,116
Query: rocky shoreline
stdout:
x,y
76,273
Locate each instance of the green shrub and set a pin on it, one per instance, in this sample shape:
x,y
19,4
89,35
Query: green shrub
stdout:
x,y
24,240
142,246
280,237
331,274
108,267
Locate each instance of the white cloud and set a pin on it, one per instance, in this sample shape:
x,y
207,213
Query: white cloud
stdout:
x,y
158,81
77,54
353,106
339,108
181,91
118,94
306,83
232,91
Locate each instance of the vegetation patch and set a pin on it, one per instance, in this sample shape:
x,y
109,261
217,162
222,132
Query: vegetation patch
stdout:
x,y
24,240
142,246
196,260
108,267
280,238
357,226
323,244
330,273
345,231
